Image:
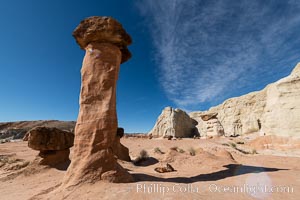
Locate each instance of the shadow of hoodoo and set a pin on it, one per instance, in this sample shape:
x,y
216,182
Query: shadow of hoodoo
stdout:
x,y
231,171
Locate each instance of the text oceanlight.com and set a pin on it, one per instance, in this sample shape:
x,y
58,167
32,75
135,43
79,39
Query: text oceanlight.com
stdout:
x,y
213,188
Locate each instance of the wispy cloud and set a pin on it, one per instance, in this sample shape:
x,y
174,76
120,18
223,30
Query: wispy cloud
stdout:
x,y
209,50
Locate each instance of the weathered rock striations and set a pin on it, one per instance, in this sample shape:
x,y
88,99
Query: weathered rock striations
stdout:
x,y
238,115
282,111
103,30
44,138
208,124
174,122
275,110
105,43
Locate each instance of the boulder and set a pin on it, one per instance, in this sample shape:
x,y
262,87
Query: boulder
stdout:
x,y
52,143
174,122
44,138
166,169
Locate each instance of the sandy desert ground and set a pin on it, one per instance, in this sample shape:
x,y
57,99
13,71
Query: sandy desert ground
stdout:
x,y
221,168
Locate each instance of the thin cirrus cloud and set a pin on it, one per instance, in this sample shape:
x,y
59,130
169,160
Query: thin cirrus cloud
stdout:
x,y
210,50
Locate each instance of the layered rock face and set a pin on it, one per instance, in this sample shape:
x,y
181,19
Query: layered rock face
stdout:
x,y
208,124
275,110
238,115
52,143
282,111
105,43
174,122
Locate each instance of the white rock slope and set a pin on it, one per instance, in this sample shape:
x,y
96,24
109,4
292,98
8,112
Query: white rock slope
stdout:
x,y
275,110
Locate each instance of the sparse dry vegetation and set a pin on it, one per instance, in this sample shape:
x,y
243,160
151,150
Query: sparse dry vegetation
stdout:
x,y
180,150
4,140
192,151
157,150
143,155
242,151
225,144
254,151
175,148
233,145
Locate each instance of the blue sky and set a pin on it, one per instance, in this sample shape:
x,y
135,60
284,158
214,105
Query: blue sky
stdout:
x,y
188,54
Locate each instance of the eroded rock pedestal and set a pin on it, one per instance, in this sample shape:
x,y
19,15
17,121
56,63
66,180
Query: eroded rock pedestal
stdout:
x,y
52,143
93,159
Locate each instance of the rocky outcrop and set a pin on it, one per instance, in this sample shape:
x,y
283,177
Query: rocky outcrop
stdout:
x,y
17,130
174,122
12,134
52,143
166,169
105,42
208,124
237,115
275,110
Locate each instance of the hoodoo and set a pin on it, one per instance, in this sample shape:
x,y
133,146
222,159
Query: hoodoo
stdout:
x,y
105,42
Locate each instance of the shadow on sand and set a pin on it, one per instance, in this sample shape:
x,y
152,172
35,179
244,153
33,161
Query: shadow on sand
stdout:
x,y
147,162
62,166
232,170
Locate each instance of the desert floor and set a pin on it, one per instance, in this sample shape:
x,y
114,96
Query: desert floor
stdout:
x,y
222,168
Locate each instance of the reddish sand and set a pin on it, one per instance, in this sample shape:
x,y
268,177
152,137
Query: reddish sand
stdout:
x,y
218,170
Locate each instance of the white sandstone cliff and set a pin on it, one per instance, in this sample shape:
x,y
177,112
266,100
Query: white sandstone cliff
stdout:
x,y
275,110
